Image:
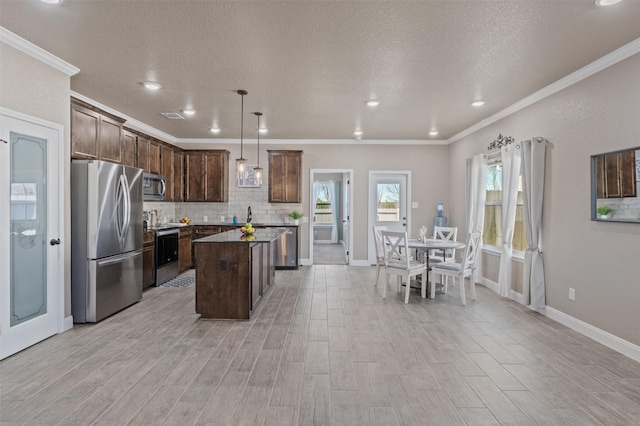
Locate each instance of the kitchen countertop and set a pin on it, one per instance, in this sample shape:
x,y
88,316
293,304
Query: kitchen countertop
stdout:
x,y
238,225
260,236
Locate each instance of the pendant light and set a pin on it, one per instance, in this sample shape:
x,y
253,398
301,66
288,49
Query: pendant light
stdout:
x,y
258,170
241,163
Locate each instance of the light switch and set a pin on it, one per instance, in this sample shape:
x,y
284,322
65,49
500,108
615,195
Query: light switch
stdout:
x,y
414,205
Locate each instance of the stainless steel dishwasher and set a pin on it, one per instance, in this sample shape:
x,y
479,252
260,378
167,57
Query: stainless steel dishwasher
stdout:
x,y
286,247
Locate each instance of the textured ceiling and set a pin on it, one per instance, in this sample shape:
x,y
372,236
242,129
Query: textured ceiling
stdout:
x,y
309,66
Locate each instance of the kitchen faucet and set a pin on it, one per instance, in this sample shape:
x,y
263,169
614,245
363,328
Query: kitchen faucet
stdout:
x,y
249,215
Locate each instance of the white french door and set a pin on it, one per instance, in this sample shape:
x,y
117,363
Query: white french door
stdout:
x,y
346,213
31,247
389,198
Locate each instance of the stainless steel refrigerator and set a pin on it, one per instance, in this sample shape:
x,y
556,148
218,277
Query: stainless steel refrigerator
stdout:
x,y
106,238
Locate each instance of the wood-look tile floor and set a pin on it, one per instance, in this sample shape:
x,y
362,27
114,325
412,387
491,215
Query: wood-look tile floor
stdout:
x,y
323,348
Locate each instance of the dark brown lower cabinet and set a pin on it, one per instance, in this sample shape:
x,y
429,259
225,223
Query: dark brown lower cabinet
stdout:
x,y
149,259
256,273
185,238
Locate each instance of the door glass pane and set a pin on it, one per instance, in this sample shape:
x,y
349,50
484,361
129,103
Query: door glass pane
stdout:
x,y
388,207
28,245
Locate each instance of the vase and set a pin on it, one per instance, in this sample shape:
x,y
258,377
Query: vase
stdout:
x,y
296,221
605,216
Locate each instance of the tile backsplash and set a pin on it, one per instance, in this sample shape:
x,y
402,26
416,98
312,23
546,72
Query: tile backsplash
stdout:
x,y
239,200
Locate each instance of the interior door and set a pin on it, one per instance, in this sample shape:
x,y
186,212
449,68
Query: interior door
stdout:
x,y
388,201
31,248
346,218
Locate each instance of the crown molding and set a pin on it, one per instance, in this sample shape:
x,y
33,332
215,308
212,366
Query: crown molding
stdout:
x,y
34,51
394,142
598,65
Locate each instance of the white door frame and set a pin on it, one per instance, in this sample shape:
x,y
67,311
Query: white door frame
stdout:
x,y
57,162
371,255
312,173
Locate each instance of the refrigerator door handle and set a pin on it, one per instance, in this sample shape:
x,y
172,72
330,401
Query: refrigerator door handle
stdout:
x,y
117,259
127,206
118,209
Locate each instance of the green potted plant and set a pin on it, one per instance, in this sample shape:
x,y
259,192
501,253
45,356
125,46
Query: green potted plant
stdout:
x,y
604,212
295,215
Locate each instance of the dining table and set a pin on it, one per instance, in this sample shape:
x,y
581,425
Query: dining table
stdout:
x,y
429,244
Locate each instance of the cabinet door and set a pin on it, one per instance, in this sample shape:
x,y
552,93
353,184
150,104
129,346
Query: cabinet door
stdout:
x,y
154,158
178,176
84,132
627,164
600,177
142,147
256,288
148,265
184,253
216,176
194,176
129,149
285,178
612,176
166,169
110,137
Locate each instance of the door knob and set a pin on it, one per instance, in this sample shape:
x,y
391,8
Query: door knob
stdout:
x,y
54,241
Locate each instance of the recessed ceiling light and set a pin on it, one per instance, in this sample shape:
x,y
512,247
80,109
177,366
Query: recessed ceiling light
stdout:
x,y
52,1
606,2
189,111
477,103
358,133
433,133
373,102
151,85
215,130
263,130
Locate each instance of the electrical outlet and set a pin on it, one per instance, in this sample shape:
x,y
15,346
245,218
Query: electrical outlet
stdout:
x,y
205,218
572,294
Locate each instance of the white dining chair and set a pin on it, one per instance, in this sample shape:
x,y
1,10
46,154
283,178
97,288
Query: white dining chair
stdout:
x,y
467,268
397,261
449,233
379,245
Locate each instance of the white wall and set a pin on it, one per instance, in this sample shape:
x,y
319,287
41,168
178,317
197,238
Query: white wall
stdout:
x,y
600,260
44,94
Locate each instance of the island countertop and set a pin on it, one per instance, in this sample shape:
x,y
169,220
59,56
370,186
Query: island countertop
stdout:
x,y
261,235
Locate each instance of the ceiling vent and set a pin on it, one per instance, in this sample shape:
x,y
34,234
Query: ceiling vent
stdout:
x,y
172,115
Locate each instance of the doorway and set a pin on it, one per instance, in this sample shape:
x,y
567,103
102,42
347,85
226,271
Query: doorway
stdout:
x,y
389,200
31,227
330,232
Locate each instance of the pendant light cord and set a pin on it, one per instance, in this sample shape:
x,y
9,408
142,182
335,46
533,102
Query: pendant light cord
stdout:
x,y
241,122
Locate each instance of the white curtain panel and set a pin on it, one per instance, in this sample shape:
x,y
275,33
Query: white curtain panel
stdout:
x,y
475,199
533,164
511,160
334,193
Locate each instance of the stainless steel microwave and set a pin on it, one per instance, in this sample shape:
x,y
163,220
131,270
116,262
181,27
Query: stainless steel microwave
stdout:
x,y
154,187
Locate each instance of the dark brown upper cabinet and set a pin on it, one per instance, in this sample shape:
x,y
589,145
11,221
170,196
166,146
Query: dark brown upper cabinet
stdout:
x,y
129,147
178,175
285,176
155,157
206,176
166,170
615,174
95,134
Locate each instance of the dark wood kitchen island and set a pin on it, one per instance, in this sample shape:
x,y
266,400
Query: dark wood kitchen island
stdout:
x,y
233,272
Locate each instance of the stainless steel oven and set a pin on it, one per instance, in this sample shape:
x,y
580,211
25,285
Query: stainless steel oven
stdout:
x,y
166,255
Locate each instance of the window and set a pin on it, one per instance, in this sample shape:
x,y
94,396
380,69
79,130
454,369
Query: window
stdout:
x,y
388,208
323,212
492,232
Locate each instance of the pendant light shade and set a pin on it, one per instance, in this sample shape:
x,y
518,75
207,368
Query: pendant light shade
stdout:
x,y
258,170
241,163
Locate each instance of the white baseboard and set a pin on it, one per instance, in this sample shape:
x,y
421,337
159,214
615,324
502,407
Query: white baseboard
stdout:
x,y
68,323
600,336
355,262
305,262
